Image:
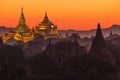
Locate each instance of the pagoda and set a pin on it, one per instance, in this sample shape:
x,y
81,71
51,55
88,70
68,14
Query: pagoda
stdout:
x,y
77,49
20,33
21,27
46,27
99,49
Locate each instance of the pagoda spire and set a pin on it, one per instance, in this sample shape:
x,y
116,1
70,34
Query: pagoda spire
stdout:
x,y
99,49
98,39
22,18
111,33
21,27
46,20
45,13
99,35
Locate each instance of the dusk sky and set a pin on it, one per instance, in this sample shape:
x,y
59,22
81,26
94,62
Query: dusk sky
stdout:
x,y
67,14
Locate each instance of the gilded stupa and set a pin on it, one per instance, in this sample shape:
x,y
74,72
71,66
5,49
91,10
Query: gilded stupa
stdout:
x,y
20,33
21,27
46,27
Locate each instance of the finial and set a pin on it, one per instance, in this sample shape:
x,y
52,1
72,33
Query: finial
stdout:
x,y
22,18
45,13
22,9
98,25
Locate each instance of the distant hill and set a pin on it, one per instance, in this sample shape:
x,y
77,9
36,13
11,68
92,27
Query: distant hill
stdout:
x,y
3,29
88,33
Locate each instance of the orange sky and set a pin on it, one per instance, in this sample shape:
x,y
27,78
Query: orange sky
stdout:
x,y
67,14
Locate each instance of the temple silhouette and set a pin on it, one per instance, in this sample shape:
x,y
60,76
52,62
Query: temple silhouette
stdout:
x,y
99,48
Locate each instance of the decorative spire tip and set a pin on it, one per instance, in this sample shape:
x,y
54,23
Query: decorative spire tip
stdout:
x,y
99,26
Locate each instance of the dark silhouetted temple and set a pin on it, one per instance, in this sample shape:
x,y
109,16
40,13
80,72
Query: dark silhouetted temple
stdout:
x,y
99,49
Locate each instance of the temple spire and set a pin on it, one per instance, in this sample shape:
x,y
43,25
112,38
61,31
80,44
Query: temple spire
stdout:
x,y
45,13
22,18
111,33
45,20
99,35
22,9
99,26
21,27
99,49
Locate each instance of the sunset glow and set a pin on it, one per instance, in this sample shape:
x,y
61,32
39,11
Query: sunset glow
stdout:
x,y
67,14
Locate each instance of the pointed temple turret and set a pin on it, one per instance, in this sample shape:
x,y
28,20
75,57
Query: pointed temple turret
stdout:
x,y
99,39
77,49
21,27
99,49
46,19
22,18
111,33
99,36
45,13
67,35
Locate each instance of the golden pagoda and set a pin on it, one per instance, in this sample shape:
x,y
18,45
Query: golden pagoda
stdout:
x,y
46,27
21,27
20,33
